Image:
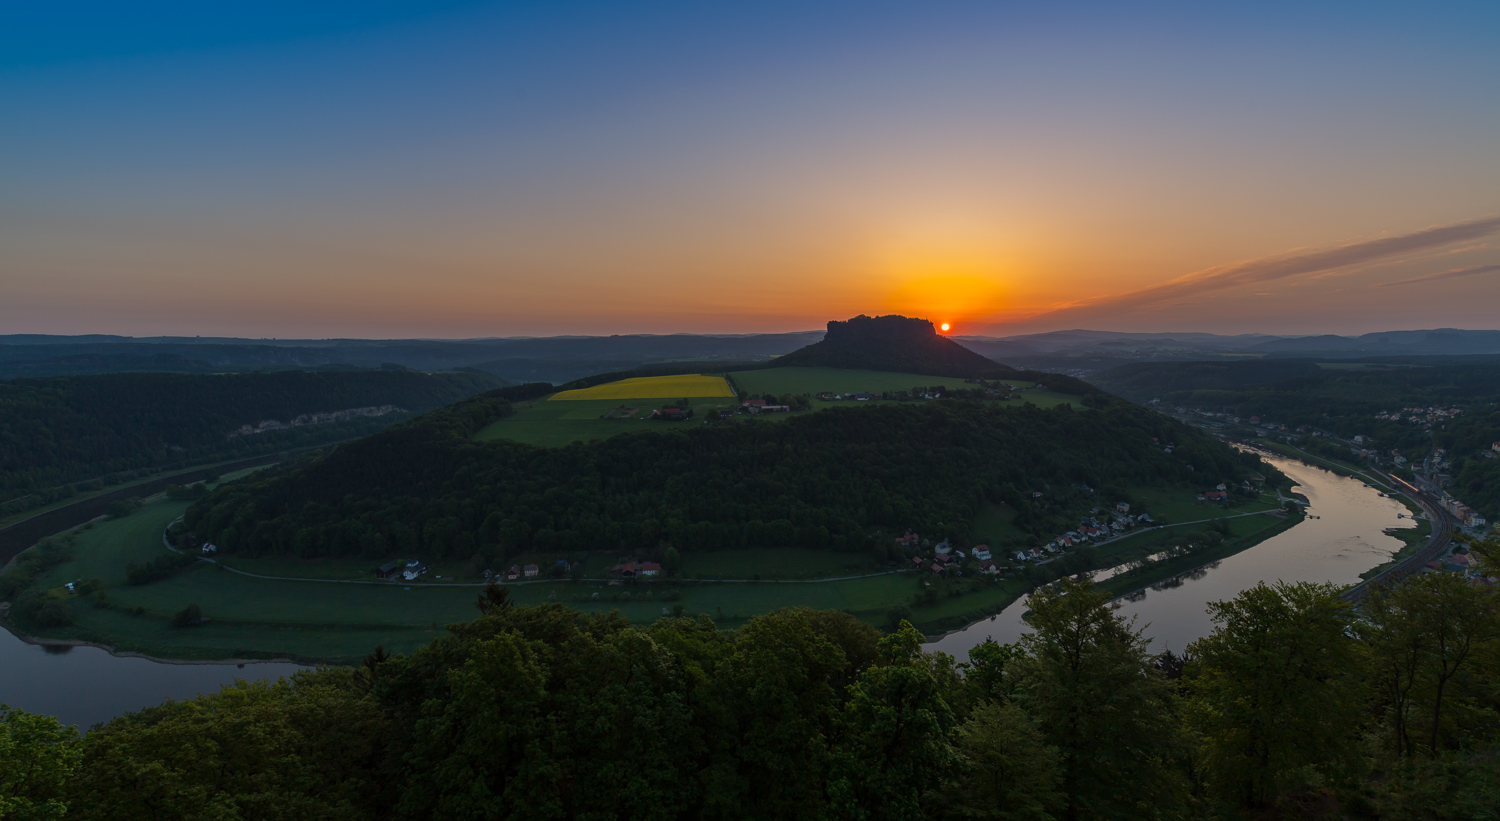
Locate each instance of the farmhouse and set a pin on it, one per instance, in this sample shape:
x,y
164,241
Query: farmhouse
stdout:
x,y
649,569
389,570
413,569
531,571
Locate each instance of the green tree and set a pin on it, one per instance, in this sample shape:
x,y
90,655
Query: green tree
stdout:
x,y
1008,772
894,736
1424,634
38,756
1091,686
1276,690
305,747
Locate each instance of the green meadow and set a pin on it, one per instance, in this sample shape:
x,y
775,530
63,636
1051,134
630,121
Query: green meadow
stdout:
x,y
337,616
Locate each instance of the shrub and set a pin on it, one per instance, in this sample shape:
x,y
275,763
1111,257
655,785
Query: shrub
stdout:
x,y
188,616
161,567
120,508
38,612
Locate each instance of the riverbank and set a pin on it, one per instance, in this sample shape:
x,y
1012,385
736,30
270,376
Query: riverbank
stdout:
x,y
306,619
1121,584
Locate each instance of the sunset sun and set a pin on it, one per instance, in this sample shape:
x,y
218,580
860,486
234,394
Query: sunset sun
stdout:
x,y
945,326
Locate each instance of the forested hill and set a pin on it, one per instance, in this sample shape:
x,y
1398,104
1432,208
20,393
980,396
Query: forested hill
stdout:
x,y
892,343
63,430
1143,381
829,479
1377,399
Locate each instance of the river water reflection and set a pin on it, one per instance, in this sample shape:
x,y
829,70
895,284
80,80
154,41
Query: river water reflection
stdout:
x,y
87,685
1345,540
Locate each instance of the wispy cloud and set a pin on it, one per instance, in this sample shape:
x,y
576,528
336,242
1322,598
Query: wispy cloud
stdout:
x,y
1453,274
1281,266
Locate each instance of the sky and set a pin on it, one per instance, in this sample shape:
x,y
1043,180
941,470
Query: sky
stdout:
x,y
394,169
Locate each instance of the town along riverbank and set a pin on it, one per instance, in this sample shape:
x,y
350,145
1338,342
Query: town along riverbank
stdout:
x,y
1342,536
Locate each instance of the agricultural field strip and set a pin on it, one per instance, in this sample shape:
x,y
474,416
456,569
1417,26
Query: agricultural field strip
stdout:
x,y
652,387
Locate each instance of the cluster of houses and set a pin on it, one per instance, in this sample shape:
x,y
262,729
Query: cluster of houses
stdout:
x,y
625,570
1425,417
946,559
1465,563
409,570
756,406
1463,512
1220,492
1090,530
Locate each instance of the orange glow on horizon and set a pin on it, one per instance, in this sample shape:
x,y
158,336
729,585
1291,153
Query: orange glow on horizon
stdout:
x,y
962,298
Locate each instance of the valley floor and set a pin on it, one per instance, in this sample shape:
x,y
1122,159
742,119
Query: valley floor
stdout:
x,y
337,612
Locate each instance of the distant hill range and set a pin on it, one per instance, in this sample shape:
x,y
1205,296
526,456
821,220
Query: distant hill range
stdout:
x,y
1083,351
565,358
548,359
892,343
101,429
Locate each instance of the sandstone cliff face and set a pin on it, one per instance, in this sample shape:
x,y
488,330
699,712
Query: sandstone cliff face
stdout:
x,y
892,343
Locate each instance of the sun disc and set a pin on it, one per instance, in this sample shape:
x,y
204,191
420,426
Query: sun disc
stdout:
x,y
945,326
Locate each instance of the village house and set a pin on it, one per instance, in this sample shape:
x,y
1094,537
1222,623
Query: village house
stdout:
x,y
650,569
414,568
389,570
937,568
989,568
515,573
531,571
982,552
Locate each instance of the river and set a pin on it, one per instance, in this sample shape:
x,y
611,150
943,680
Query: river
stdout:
x,y
1346,539
85,685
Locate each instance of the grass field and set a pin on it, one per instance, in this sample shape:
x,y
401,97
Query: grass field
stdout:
x,y
778,381
624,406
652,387
339,622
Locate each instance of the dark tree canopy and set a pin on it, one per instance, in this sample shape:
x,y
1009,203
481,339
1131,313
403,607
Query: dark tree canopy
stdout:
x,y
826,480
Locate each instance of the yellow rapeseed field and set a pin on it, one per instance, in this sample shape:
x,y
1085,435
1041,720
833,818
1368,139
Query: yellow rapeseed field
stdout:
x,y
653,387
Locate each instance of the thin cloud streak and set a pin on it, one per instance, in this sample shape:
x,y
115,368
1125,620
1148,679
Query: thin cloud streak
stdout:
x,y
1454,274
1269,269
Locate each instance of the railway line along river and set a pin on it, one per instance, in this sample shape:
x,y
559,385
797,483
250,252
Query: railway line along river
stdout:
x,y
1346,538
84,685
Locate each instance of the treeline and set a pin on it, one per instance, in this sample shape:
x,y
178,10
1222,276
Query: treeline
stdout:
x,y
1301,394
1345,402
1295,706
58,431
826,480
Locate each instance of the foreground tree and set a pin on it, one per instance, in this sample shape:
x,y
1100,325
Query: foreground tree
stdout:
x,y
894,746
303,748
37,757
1424,634
1277,690
1008,771
1094,691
